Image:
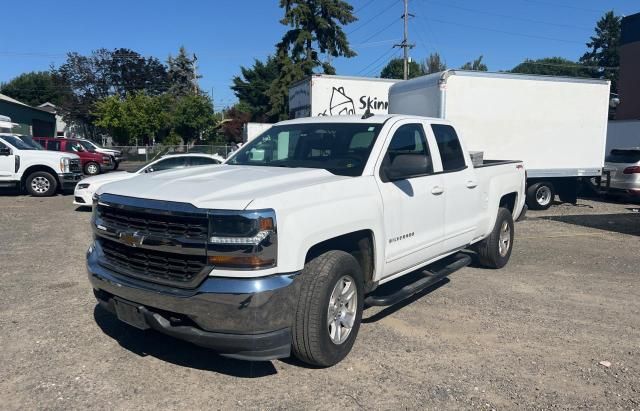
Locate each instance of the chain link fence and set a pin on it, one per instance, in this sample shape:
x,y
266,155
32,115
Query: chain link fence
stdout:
x,y
143,154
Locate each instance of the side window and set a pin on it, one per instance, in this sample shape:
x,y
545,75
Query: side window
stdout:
x,y
203,161
408,154
449,146
167,164
53,145
73,147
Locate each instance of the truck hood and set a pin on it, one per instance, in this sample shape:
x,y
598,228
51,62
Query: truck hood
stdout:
x,y
108,178
220,186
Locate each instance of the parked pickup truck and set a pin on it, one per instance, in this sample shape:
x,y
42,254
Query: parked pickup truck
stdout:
x,y
92,162
25,165
277,251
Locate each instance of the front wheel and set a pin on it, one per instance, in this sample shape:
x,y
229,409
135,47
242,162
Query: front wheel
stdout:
x,y
115,164
41,184
540,195
92,169
329,311
495,250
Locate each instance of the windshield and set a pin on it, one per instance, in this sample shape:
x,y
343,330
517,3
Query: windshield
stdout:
x,y
31,142
17,143
87,145
624,156
340,148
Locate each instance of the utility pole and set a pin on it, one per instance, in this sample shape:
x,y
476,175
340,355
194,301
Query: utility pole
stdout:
x,y
405,39
195,73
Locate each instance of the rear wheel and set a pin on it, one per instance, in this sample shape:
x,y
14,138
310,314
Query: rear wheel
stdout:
x,y
495,250
329,311
92,169
41,184
540,195
115,164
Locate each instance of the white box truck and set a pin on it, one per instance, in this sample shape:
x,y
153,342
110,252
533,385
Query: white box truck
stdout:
x,y
325,95
556,125
253,130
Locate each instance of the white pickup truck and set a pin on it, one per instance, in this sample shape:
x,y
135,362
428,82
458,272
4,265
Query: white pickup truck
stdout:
x,y
23,164
277,251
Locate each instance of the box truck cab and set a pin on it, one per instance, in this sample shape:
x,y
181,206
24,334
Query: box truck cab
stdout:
x,y
557,126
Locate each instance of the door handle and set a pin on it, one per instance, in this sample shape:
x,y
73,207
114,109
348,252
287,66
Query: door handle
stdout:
x,y
437,190
472,184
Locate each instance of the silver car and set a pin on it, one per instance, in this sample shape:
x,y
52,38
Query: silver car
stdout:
x,y
624,168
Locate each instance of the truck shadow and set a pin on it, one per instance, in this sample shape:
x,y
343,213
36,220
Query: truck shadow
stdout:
x,y
391,287
628,223
174,351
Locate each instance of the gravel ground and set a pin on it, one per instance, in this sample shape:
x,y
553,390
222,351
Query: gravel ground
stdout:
x,y
530,336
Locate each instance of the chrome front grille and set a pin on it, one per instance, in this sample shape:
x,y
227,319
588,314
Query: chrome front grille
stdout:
x,y
153,265
74,165
152,240
193,228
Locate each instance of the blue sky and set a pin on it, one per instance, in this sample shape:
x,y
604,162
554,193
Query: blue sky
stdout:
x,y
228,33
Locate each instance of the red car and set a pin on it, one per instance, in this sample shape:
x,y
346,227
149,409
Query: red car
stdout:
x,y
92,162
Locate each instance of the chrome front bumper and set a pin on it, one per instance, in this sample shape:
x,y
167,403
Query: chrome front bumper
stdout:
x,y
246,318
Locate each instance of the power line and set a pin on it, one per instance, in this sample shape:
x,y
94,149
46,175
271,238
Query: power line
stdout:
x,y
372,18
507,16
533,36
566,6
386,54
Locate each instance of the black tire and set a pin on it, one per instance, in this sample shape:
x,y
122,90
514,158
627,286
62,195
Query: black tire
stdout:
x,y
115,164
41,184
540,195
92,168
489,251
312,343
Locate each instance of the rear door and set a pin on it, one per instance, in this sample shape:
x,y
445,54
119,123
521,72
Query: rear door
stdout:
x,y
462,198
413,206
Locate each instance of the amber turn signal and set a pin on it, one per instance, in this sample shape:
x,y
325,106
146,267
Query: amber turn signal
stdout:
x,y
240,262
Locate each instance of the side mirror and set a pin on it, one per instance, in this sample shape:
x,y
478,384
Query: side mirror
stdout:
x,y
5,151
405,166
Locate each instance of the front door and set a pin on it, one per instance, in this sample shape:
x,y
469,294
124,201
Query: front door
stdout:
x,y
7,162
413,206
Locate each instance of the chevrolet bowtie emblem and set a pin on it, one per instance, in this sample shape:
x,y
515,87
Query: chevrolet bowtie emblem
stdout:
x,y
131,239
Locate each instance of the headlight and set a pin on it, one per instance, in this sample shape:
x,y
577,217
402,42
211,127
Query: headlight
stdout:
x,y
95,198
64,165
243,240
82,186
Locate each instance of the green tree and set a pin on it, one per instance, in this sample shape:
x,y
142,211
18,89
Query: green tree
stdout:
x,y
552,66
252,88
35,88
603,49
135,119
289,73
103,73
192,115
395,69
475,65
316,25
433,64
182,74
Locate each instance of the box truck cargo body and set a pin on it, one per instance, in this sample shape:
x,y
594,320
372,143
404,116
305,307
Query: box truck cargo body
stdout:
x,y
557,126
324,95
253,130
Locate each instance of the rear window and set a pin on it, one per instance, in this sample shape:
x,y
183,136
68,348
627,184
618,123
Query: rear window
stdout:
x,y
624,156
449,147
